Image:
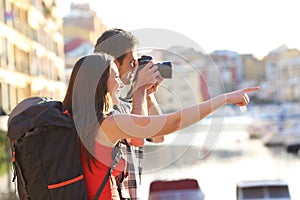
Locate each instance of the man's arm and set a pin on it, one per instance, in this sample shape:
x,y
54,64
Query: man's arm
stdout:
x,y
145,80
154,109
139,107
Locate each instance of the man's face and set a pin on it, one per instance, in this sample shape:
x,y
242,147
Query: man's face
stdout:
x,y
114,83
127,67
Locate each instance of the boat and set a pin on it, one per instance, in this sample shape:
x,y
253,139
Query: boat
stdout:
x,y
287,136
293,147
276,126
292,143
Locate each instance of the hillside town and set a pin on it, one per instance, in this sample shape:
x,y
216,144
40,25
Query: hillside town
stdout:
x,y
38,50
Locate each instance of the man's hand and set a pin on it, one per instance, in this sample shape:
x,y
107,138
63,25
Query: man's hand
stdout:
x,y
147,77
147,83
155,86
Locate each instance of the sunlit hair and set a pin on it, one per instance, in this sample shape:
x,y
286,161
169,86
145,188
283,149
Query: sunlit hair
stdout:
x,y
116,42
102,98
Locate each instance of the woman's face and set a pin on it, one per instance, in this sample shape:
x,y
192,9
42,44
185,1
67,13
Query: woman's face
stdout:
x,y
114,84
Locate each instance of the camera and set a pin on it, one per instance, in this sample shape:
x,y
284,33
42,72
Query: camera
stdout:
x,y
164,68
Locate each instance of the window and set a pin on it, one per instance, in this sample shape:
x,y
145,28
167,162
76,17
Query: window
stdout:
x,y
2,54
5,98
2,112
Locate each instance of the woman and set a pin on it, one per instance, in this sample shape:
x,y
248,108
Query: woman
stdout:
x,y
92,89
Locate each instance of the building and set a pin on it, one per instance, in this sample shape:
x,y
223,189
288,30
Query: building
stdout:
x,y
282,75
253,70
81,28
82,22
31,52
188,85
74,49
230,67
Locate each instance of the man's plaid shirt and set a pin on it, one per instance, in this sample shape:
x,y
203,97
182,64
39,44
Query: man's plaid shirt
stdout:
x,y
130,180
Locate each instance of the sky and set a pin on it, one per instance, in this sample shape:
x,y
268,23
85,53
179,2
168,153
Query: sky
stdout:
x,y
244,26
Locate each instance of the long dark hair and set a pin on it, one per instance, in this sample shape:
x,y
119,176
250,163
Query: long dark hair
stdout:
x,y
87,98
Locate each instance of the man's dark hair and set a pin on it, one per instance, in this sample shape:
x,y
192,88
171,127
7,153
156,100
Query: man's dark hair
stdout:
x,y
116,42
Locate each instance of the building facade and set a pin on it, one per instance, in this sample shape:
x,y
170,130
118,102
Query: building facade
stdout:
x,y
31,51
283,75
82,22
81,28
188,85
230,67
254,70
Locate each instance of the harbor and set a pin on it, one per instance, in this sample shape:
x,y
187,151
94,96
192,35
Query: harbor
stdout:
x,y
235,157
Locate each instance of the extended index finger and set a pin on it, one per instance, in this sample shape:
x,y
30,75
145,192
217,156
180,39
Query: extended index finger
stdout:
x,y
251,89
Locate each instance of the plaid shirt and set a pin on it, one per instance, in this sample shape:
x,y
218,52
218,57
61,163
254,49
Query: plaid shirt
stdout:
x,y
130,179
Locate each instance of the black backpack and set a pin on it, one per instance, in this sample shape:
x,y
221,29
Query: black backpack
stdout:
x,y
45,151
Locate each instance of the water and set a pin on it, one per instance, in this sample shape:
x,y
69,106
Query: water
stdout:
x,y
234,158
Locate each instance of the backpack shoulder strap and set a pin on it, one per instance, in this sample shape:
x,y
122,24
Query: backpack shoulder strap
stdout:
x,y
116,155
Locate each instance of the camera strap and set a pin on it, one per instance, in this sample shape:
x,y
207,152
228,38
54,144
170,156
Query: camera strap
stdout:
x,y
128,97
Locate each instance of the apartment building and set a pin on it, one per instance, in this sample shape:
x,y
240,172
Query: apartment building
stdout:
x,y
283,74
31,51
188,84
230,67
81,29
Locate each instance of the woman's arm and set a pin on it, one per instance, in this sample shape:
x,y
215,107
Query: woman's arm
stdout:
x,y
121,126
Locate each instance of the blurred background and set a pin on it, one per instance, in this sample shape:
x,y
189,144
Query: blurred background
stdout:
x,y
231,44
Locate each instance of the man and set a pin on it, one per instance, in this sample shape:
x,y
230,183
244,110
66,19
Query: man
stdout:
x,y
120,44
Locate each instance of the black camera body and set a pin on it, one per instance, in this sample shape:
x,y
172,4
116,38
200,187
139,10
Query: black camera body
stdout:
x,y
164,68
